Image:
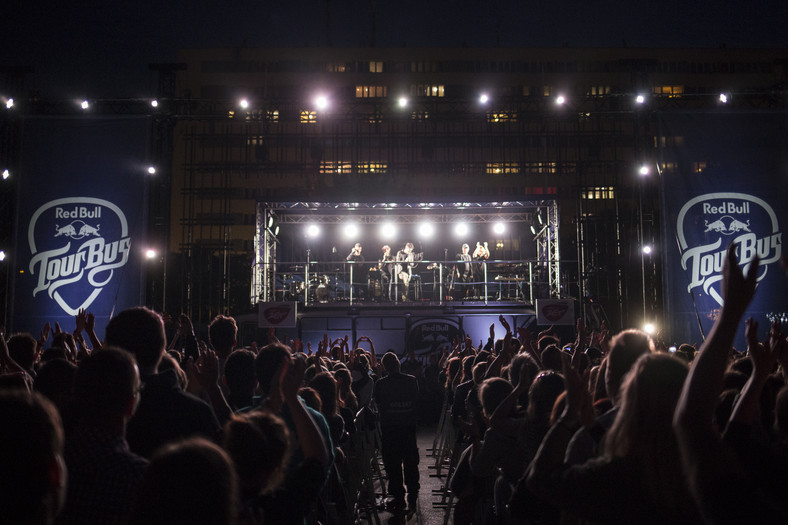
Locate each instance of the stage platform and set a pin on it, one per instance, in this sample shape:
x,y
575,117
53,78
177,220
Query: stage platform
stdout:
x,y
425,327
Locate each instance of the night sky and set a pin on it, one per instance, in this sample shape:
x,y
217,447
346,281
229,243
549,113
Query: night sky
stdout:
x,y
102,49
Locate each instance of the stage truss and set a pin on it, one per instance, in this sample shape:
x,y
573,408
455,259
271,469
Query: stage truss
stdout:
x,y
541,216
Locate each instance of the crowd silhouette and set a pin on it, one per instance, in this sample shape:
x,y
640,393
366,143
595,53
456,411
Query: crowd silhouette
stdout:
x,y
153,425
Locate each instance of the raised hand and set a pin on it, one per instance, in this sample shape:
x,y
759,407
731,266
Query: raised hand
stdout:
x,y
80,321
737,289
505,324
42,339
751,333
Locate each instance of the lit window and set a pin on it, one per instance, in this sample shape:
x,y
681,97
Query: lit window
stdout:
x,y
669,166
371,91
669,91
372,167
375,118
546,90
272,115
540,167
526,91
337,67
502,168
698,167
308,117
598,91
376,66
255,140
502,116
420,115
336,168
427,90
599,193
231,114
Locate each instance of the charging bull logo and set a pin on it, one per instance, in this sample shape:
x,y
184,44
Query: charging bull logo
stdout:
x,y
74,259
744,220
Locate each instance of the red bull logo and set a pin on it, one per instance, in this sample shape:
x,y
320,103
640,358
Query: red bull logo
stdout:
x,y
744,220
73,261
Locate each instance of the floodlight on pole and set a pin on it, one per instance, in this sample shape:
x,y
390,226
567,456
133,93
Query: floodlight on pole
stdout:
x,y
244,103
723,98
647,250
152,170
560,100
640,99
84,104
643,170
483,98
154,103
9,103
403,102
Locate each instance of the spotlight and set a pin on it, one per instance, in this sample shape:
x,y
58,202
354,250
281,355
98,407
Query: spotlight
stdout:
x,y
9,103
243,103
426,229
152,170
649,328
154,103
321,102
461,229
150,253
483,99
85,104
559,100
2,255
276,230
6,174
647,250
270,221
351,231
533,230
643,170
539,217
640,99
313,230
403,102
723,98
388,230
499,228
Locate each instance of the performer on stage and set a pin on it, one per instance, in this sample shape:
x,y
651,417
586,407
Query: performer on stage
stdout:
x,y
385,265
359,277
355,254
465,270
404,271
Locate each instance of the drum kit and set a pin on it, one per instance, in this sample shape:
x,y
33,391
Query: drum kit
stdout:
x,y
296,289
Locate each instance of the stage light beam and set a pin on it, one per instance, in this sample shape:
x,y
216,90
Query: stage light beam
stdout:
x,y
499,228
313,230
388,230
426,230
351,231
461,229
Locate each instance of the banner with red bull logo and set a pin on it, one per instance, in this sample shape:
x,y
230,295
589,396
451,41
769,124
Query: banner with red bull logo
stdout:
x,y
722,183
81,220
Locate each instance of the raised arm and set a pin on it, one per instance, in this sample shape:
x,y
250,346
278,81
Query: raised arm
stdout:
x,y
309,437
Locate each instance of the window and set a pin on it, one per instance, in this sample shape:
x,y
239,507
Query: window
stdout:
x,y
599,193
375,118
255,140
668,141
669,166
420,115
526,91
338,167
698,167
336,67
376,66
427,90
539,167
546,90
669,91
502,116
371,91
422,67
371,167
598,91
502,168
308,117
272,115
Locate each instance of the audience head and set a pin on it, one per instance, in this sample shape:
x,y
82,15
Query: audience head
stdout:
x,y
33,480
222,333
546,387
268,363
551,358
625,348
55,380
326,386
141,332
22,349
258,443
188,482
239,372
390,362
492,392
106,385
